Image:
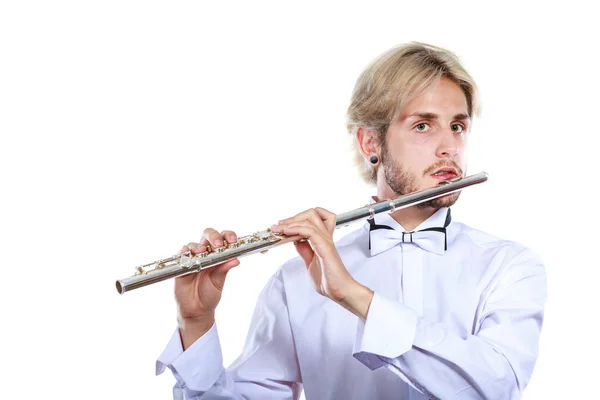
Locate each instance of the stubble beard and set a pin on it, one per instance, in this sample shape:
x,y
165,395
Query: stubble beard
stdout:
x,y
402,182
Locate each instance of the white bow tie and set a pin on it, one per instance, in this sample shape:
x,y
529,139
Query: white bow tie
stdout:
x,y
383,237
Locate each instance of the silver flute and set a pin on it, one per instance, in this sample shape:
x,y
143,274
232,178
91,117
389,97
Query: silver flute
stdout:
x,y
262,241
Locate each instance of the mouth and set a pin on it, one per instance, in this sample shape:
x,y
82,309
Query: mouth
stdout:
x,y
445,173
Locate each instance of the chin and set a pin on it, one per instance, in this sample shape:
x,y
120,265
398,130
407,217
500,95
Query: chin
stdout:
x,y
444,201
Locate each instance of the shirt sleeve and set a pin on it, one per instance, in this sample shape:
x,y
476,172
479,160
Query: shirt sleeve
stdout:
x,y
267,367
495,362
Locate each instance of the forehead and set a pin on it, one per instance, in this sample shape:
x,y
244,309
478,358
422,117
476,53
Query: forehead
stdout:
x,y
444,97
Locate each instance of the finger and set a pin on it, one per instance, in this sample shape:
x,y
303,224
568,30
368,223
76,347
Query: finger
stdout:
x,y
309,215
318,241
321,242
305,251
199,249
285,229
314,217
305,229
292,238
211,237
219,273
318,215
328,218
229,236
191,246
184,249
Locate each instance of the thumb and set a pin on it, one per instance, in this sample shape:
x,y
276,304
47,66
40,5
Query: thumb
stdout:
x,y
219,273
305,251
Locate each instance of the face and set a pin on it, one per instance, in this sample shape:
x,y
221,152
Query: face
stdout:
x,y
427,144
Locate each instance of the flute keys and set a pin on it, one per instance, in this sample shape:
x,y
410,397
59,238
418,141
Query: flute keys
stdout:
x,y
219,249
264,235
185,261
249,239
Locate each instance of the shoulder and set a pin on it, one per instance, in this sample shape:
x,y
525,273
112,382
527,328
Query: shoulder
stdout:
x,y
504,257
465,235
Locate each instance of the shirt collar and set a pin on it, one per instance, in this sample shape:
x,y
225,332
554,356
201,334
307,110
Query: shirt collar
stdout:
x,y
438,219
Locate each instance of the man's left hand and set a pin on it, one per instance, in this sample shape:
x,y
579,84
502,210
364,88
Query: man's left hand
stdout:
x,y
314,229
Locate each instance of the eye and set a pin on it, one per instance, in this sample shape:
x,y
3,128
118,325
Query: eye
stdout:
x,y
457,128
422,127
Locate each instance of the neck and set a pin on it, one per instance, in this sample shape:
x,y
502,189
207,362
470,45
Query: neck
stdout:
x,y
409,218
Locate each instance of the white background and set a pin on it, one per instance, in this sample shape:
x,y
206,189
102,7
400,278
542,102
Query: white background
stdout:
x,y
129,126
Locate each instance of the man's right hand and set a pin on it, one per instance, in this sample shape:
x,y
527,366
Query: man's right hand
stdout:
x,y
198,294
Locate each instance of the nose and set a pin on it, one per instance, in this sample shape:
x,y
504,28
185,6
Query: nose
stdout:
x,y
449,145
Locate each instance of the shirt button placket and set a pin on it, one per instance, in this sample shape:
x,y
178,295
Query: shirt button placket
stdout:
x,y
412,279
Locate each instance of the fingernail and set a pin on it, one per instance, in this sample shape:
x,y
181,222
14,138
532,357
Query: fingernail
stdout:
x,y
218,242
275,228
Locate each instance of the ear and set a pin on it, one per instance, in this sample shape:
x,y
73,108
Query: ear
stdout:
x,y
368,143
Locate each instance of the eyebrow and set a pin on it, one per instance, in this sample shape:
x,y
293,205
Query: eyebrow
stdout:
x,y
428,115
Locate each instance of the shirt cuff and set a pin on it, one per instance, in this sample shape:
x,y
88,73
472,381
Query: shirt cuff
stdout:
x,y
389,331
199,366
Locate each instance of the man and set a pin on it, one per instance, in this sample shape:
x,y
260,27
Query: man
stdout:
x,y
430,307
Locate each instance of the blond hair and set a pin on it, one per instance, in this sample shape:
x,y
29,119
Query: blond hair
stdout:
x,y
391,81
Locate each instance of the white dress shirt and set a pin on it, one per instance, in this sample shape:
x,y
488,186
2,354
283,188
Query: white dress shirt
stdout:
x,y
460,323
